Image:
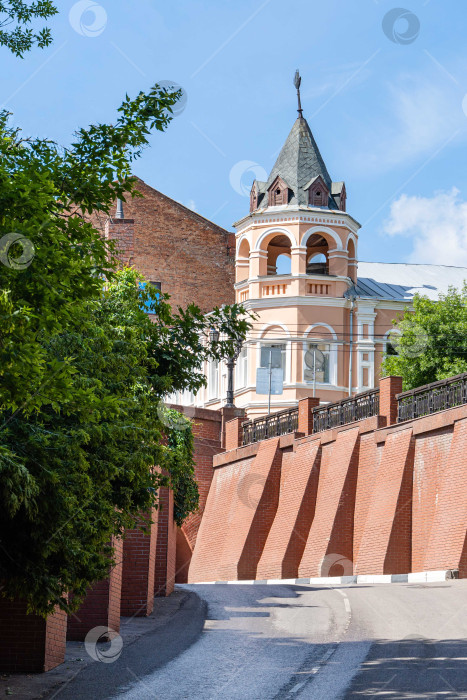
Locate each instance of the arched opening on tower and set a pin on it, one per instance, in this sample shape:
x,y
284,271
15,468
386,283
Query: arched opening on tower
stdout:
x,y
279,256
243,261
317,262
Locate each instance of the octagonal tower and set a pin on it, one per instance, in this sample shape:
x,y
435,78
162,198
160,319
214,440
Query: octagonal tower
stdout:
x,y
296,258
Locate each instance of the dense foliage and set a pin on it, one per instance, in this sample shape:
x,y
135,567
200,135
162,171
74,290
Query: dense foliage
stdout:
x,y
431,342
84,443
180,465
41,185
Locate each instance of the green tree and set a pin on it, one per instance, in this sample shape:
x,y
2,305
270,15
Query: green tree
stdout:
x,y
53,257
79,471
16,16
431,341
83,367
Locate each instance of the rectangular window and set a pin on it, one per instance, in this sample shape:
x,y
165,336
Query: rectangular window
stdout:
x,y
317,357
213,379
157,285
277,354
241,376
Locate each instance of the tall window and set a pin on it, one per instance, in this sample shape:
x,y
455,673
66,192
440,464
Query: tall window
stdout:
x,y
213,379
241,375
319,353
277,353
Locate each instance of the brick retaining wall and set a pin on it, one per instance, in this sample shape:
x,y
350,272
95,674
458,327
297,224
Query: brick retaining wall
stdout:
x,y
367,498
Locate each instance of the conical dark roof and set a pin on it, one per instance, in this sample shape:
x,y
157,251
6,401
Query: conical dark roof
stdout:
x,y
298,163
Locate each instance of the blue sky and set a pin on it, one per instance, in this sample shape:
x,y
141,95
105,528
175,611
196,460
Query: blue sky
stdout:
x,y
388,109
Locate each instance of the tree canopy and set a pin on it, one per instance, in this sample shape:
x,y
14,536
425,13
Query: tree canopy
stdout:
x,y
84,442
431,340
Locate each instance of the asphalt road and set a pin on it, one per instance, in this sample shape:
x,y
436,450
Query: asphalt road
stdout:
x,y
294,641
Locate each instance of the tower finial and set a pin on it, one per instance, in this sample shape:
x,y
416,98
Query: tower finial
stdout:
x,y
297,82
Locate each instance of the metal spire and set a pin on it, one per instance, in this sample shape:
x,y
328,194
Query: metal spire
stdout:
x,y
119,213
297,82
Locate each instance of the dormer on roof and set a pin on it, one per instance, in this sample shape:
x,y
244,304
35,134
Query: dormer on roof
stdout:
x,y
257,191
339,195
278,192
318,192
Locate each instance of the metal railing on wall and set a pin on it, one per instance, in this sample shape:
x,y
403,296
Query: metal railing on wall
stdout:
x,y
432,398
423,401
333,415
272,425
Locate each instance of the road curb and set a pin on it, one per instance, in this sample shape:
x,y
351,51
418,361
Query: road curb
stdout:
x,y
419,577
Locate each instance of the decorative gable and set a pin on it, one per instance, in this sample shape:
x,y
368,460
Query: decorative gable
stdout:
x,y
343,199
318,192
254,196
278,193
339,195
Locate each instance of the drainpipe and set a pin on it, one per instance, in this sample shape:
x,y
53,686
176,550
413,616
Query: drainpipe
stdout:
x,y
352,305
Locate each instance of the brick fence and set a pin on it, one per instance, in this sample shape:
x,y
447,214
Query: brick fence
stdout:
x,y
371,497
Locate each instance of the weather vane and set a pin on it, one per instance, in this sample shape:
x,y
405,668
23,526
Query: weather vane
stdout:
x,y
297,82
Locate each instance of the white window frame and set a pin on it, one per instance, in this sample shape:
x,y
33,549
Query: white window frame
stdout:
x,y
286,353
332,360
213,380
241,369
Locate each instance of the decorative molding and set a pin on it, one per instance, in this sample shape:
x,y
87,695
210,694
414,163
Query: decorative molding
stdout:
x,y
282,215
272,325
337,254
322,325
243,237
276,229
323,301
322,230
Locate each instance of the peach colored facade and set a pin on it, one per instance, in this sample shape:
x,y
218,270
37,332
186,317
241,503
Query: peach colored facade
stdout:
x,y
322,320
297,271
302,309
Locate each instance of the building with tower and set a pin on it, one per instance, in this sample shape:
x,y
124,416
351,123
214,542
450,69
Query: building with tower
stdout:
x,y
322,317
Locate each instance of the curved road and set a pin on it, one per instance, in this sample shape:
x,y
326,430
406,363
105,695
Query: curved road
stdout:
x,y
295,641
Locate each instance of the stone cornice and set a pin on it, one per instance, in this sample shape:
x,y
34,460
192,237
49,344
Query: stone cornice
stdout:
x,y
297,216
285,301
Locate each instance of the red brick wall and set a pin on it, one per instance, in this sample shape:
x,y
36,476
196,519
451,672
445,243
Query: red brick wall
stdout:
x,y
139,558
29,643
101,607
386,539
218,516
297,501
389,500
192,257
431,453
115,586
255,503
55,639
207,444
122,231
368,465
330,540
164,576
447,543
207,426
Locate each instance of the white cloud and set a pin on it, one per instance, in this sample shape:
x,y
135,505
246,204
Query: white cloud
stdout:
x,y
419,116
437,226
